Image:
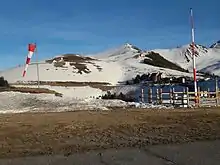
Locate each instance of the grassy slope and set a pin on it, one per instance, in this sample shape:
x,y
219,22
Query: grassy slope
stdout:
x,y
70,132
99,85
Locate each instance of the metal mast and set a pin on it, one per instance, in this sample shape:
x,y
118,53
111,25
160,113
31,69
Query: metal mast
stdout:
x,y
193,54
38,77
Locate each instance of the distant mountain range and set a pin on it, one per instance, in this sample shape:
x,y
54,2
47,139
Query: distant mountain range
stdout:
x,y
121,64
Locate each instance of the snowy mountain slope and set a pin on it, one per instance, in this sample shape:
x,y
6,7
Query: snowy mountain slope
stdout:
x,y
130,58
120,53
182,56
216,45
212,64
83,71
119,64
207,60
205,57
113,66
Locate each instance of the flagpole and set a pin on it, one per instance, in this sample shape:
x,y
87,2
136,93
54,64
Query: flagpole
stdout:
x,y
38,77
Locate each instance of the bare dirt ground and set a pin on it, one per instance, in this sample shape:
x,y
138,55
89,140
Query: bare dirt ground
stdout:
x,y
196,153
28,90
31,134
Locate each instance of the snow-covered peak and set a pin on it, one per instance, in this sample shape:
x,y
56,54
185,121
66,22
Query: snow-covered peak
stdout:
x,y
132,47
199,50
216,45
127,45
182,56
126,50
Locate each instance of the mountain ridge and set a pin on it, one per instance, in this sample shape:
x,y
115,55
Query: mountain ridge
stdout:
x,y
216,45
120,64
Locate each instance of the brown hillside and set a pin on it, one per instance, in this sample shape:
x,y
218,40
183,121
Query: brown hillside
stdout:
x,y
77,61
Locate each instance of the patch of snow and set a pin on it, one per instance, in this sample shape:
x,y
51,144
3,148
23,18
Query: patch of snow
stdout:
x,y
150,106
125,89
16,102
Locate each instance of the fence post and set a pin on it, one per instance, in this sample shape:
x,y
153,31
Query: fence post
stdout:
x,y
187,93
198,96
161,95
150,95
157,96
208,93
174,97
142,95
216,90
184,99
171,99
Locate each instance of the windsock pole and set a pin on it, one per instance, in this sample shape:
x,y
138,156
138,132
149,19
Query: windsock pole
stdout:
x,y
193,54
38,77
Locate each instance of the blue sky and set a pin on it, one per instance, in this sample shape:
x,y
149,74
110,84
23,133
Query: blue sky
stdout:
x,y
90,26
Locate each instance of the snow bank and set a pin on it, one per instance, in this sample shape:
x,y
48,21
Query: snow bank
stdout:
x,y
15,102
125,89
150,106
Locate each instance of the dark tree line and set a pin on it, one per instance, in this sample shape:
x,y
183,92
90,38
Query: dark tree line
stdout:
x,y
155,59
138,79
121,96
3,82
148,77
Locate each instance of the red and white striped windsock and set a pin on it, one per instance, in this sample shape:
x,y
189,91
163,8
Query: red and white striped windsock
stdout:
x,y
31,50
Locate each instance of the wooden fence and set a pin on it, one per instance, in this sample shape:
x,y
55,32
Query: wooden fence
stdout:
x,y
181,98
